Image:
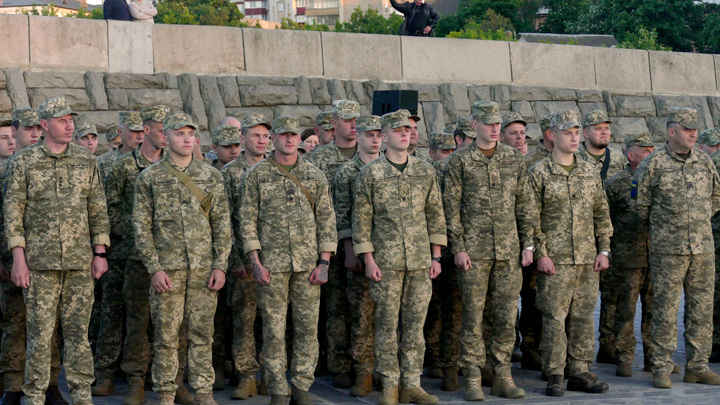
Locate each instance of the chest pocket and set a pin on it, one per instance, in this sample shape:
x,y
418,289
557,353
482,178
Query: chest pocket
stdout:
x,y
508,174
670,181
272,192
419,188
698,180
80,176
41,181
166,198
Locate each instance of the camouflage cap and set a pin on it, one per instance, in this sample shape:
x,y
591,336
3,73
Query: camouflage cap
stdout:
x,y
595,117
464,124
545,122
324,120
132,120
252,120
512,117
487,111
346,109
565,119
85,129
641,139
225,135
686,117
5,120
111,132
157,113
442,140
177,121
26,116
709,137
301,147
368,123
450,128
285,124
55,107
396,119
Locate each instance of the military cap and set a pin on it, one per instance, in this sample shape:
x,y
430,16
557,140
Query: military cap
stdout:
x,y
301,147
225,135
324,120
686,117
487,111
346,109
640,139
252,120
111,132
285,124
55,107
5,120
512,117
177,121
464,124
564,120
132,120
85,129
26,116
157,113
709,137
450,128
595,117
545,122
368,123
442,140
396,119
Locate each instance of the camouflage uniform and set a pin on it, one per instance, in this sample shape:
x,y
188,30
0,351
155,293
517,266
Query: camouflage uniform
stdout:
x,y
84,129
715,157
58,242
270,204
575,224
677,197
174,235
106,160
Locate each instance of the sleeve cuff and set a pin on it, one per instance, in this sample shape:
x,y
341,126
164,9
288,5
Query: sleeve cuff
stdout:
x,y
328,247
604,245
154,268
344,234
16,241
251,245
438,239
220,265
364,247
102,239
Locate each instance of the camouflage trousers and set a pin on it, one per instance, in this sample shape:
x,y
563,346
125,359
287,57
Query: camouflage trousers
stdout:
x,y
716,306
569,297
273,302
112,314
400,296
243,304
136,296
501,280
70,292
668,275
432,328
362,322
530,323
338,316
632,283
608,306
448,291
189,300
222,315
14,336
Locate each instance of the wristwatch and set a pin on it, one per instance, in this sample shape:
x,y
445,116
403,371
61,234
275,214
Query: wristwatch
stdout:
x,y
321,261
102,255
606,253
530,248
437,259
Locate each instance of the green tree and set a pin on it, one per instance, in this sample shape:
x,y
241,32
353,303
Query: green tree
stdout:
x,y
476,10
370,21
289,24
565,16
474,30
710,35
94,14
47,10
199,12
643,39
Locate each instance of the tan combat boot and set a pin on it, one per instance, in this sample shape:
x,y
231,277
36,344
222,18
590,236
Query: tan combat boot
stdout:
x,y
204,399
449,379
103,388
706,376
363,386
245,390
182,395
136,391
473,389
389,396
417,395
165,398
662,380
505,387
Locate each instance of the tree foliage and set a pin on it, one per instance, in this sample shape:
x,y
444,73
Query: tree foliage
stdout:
x,y
289,24
519,15
199,12
370,21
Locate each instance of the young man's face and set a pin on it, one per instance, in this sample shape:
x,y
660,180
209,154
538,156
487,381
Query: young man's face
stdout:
x,y
182,141
514,135
27,136
256,140
598,135
488,133
310,143
59,130
130,139
566,141
344,129
413,131
89,142
325,136
397,139
115,142
7,142
460,141
154,135
286,143
370,141
227,153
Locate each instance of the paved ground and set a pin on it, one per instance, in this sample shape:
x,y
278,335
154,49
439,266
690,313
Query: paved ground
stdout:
x,y
635,390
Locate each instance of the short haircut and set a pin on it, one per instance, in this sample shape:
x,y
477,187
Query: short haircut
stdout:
x,y
15,124
459,132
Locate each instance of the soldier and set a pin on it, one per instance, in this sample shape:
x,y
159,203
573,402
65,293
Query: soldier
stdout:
x,y
86,136
412,147
442,145
288,258
26,127
512,132
226,145
542,150
324,128
254,136
678,191
130,129
232,121
112,137
362,308
575,225
329,158
57,230
709,140
399,229
464,132
182,234
7,137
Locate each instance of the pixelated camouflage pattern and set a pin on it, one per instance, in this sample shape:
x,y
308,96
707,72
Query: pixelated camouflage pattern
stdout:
x,y
595,117
285,124
252,120
328,159
564,120
715,157
343,195
541,152
618,161
465,124
55,107
511,118
225,135
396,119
232,174
131,119
105,162
709,137
488,112
639,139
545,122
112,315
442,140
156,113
346,109
629,243
177,121
324,120
368,123
111,132
686,117
84,129
26,116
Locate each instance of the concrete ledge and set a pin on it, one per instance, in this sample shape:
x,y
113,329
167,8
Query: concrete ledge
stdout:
x,y
130,47
198,49
361,56
68,44
283,52
552,65
688,73
16,40
449,60
622,69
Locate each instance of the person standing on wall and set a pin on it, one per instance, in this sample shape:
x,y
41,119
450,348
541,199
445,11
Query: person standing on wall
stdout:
x,y
420,18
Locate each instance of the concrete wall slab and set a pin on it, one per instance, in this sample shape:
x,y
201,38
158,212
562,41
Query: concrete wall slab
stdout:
x,y
16,40
198,49
361,56
283,52
622,69
552,65
68,44
679,72
130,47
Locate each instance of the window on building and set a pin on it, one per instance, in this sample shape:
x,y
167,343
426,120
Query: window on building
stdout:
x,y
281,6
301,3
255,4
320,4
326,19
241,7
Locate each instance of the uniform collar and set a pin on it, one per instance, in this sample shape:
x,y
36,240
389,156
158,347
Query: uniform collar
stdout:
x,y
693,157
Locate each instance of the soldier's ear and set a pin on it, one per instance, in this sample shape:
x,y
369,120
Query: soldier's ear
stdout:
x,y
44,124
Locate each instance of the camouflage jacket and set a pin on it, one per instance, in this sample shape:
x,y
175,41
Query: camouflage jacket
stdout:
x,y
106,160
5,255
677,198
344,195
55,208
171,231
270,205
630,237
398,215
328,159
440,167
232,174
618,161
574,216
541,152
422,154
715,157
119,190
489,204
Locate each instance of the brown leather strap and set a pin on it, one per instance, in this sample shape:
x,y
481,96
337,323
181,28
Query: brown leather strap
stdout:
x,y
204,199
294,179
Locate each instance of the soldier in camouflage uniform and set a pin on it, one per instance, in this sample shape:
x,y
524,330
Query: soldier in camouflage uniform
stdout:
x,y
489,262
362,308
544,147
130,130
283,255
112,137
25,135
86,136
678,191
329,158
399,229
574,226
254,136
709,140
55,218
412,148
227,148
463,132
512,132
182,233
324,128
7,137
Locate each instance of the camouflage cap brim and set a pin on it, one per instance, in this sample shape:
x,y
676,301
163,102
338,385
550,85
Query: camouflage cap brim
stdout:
x,y
5,120
286,128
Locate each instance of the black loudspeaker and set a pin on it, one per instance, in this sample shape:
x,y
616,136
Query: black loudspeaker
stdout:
x,y
387,101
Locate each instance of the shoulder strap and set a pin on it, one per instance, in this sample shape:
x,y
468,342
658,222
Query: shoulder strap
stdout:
x,y
606,165
204,199
294,179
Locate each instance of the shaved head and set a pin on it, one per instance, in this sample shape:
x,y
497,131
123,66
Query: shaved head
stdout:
x,y
231,121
